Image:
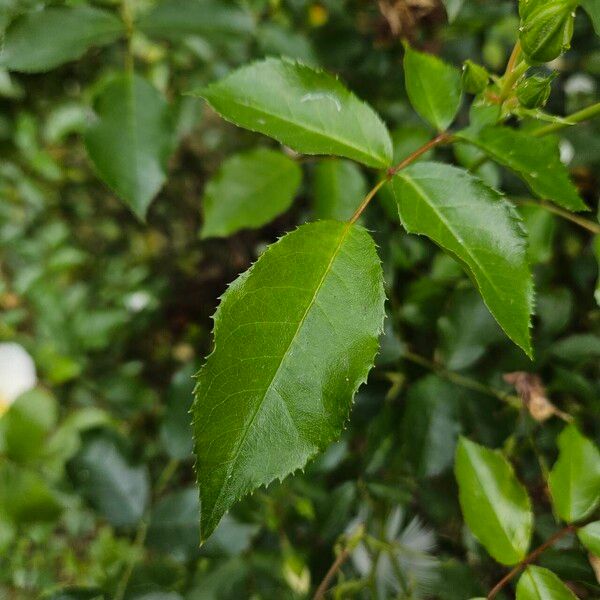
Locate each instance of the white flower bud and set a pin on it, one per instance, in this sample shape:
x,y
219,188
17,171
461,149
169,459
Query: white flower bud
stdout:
x,y
17,373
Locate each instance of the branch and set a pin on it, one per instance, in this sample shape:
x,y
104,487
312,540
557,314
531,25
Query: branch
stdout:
x,y
529,559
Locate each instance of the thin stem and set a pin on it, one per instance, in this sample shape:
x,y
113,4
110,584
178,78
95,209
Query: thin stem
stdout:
x,y
338,562
529,559
513,72
128,20
565,214
442,138
462,380
578,117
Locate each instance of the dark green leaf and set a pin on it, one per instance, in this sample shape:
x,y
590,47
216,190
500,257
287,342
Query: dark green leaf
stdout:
x,y
589,536
433,87
578,348
575,478
131,142
593,9
294,338
495,505
538,583
248,191
306,109
339,187
118,490
537,161
42,40
174,19
431,425
455,209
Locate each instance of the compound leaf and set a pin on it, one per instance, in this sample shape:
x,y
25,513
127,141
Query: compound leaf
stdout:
x,y
536,161
132,140
295,336
433,87
42,40
538,583
455,210
575,478
249,190
308,110
495,505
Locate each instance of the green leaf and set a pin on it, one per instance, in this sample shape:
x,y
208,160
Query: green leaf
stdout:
x,y
176,19
249,190
538,583
295,336
433,87
596,245
25,497
535,160
455,210
589,536
592,8
131,142
117,489
339,187
575,478
452,7
495,505
308,110
431,425
42,40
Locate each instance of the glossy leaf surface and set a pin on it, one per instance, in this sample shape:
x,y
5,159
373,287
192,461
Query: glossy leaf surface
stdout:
x,y
42,40
433,87
589,536
538,583
455,210
174,19
495,505
575,478
339,187
308,110
294,338
131,141
249,190
536,161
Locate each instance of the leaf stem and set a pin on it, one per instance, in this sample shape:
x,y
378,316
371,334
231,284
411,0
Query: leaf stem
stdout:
x,y
440,139
513,72
578,117
529,559
462,380
565,214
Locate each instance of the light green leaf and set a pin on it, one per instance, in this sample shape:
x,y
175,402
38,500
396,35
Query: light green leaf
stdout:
x,y
308,110
131,141
589,536
433,87
537,161
596,244
592,7
295,336
575,478
249,190
538,583
42,40
175,19
455,210
339,187
495,505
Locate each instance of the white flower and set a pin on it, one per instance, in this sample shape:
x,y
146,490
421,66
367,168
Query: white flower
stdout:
x,y
17,373
137,301
567,152
579,84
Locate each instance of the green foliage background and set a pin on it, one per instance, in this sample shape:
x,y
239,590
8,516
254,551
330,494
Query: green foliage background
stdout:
x,y
97,489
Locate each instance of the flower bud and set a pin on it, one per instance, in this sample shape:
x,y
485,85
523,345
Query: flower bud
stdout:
x,y
474,77
17,374
534,92
546,28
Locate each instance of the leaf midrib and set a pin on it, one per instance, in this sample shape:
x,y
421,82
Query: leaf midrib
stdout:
x,y
383,162
311,303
